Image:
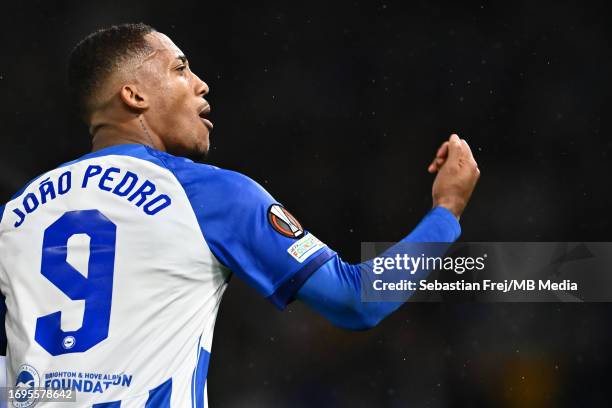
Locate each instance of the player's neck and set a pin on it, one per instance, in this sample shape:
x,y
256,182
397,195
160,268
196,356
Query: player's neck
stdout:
x,y
108,135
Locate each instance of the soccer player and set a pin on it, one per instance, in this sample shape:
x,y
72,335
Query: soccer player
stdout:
x,y
113,265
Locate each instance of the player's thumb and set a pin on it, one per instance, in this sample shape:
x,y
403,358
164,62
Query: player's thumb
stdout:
x,y
454,147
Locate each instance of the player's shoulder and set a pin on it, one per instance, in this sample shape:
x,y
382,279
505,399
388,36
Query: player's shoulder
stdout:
x,y
201,176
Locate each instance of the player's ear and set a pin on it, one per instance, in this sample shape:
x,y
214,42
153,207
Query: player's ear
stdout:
x,y
133,97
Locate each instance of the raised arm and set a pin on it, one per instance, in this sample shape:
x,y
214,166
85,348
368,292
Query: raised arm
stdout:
x,y
334,290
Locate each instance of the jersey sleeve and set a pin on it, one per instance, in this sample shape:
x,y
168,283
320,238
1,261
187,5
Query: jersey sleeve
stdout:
x,y
335,289
249,231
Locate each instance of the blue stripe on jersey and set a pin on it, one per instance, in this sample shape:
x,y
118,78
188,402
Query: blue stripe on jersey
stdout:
x,y
1,212
159,397
194,372
114,404
199,379
198,348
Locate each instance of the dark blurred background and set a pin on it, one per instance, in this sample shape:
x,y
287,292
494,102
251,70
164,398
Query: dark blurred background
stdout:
x,y
337,109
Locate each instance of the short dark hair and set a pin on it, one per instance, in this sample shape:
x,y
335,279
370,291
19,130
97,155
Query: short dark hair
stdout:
x,y
96,56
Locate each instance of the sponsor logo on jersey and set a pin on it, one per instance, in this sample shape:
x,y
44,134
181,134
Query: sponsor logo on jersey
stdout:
x,y
27,379
305,247
86,381
283,222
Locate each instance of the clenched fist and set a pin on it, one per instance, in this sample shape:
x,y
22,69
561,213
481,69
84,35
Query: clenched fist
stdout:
x,y
457,175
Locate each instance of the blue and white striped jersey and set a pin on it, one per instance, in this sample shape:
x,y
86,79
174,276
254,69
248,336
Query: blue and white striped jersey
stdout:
x,y
113,267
